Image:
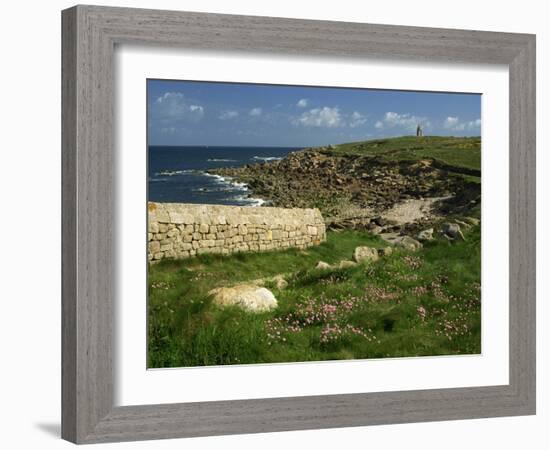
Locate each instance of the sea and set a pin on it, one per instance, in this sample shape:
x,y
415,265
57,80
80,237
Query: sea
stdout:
x,y
178,174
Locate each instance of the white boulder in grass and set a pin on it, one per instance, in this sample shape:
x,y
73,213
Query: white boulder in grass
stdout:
x,y
363,254
249,297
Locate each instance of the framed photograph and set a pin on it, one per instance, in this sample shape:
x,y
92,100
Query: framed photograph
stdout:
x,y
265,229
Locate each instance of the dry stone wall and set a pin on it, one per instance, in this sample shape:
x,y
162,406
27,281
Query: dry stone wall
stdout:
x,y
180,230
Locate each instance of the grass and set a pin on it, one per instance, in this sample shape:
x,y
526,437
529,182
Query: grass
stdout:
x,y
455,152
406,304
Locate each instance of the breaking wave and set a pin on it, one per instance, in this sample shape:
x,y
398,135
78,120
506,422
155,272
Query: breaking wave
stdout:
x,y
267,158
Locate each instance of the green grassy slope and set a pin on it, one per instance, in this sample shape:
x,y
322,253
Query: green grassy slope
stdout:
x,y
459,152
407,304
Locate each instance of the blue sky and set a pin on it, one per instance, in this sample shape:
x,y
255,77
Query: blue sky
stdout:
x,y
234,114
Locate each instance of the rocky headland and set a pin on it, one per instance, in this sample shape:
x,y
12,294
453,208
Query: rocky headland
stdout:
x,y
368,189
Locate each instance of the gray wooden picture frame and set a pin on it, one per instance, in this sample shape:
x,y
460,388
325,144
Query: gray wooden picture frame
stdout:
x,y
90,34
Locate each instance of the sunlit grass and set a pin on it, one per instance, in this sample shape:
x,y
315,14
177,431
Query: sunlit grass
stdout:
x,y
461,152
407,304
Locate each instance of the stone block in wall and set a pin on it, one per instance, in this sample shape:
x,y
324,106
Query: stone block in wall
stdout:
x,y
180,218
173,233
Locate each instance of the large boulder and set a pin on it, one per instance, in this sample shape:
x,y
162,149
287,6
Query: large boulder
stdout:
x,y
346,263
363,254
426,235
453,231
389,237
405,242
408,243
322,265
249,297
471,220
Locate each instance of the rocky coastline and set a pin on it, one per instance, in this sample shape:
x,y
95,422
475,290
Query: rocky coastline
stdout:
x,y
362,191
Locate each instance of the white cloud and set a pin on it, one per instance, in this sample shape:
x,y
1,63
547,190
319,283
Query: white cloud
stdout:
x,y
255,112
196,108
455,124
227,115
321,117
405,121
357,119
475,123
172,107
452,123
302,103
168,96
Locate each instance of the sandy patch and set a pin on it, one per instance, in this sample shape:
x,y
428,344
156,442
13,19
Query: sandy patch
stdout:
x,y
412,210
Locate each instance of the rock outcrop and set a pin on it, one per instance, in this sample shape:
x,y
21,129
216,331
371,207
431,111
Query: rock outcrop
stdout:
x,y
249,297
343,185
406,242
346,264
364,254
321,265
426,235
453,231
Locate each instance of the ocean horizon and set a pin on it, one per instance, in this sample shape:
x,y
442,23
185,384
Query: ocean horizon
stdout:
x,y
178,174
